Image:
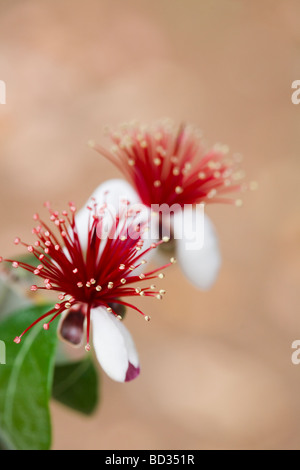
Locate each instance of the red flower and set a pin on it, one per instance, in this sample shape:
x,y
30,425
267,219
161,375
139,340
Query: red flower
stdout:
x,y
93,283
170,166
172,173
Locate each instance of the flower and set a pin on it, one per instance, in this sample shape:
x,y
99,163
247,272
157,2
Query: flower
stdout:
x,y
93,285
170,167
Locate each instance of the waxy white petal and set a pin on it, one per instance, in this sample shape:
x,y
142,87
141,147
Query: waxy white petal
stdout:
x,y
113,192
198,256
114,346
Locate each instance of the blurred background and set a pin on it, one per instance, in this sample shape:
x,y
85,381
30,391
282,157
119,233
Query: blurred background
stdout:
x,y
216,366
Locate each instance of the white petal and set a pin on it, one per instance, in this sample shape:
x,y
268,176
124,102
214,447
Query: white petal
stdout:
x,y
197,250
113,192
114,347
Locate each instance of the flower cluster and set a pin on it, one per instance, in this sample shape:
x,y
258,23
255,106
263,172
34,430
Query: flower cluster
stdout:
x,y
169,167
94,259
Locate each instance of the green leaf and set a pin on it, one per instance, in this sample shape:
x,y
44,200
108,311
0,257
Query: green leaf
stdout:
x,y
76,385
4,443
22,276
11,296
26,380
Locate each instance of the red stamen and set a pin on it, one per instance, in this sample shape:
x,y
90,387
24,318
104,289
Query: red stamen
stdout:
x,y
95,278
171,167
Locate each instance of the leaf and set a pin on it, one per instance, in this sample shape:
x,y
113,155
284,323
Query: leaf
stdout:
x,y
4,443
26,380
22,276
76,385
11,298
15,286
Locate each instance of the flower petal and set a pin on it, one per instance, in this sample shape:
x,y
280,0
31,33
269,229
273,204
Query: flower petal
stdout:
x,y
71,326
114,347
197,250
112,192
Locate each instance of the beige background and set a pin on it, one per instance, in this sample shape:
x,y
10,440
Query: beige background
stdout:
x,y
217,369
